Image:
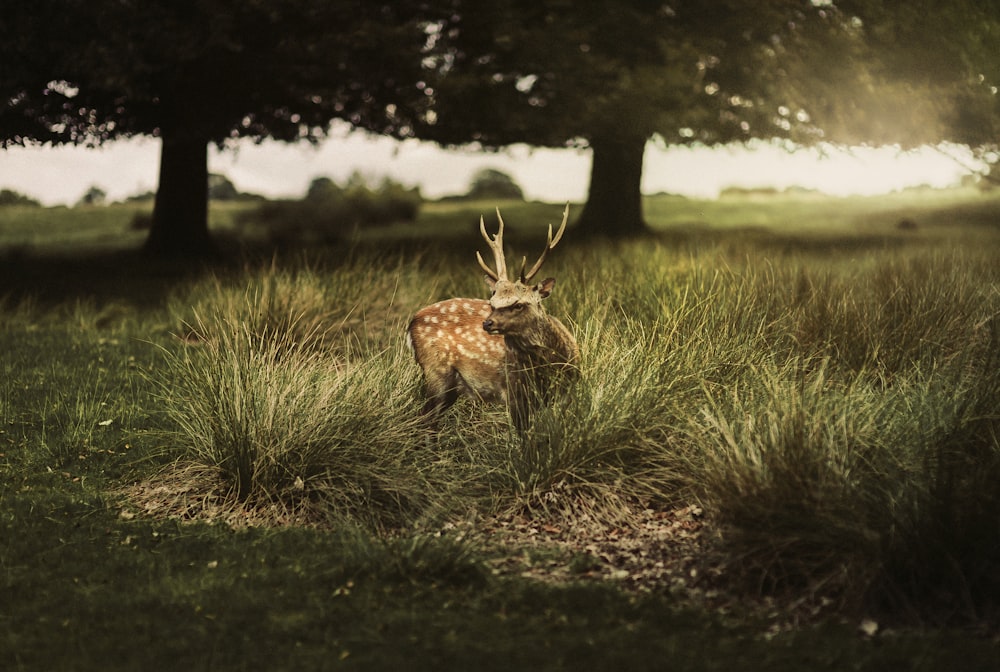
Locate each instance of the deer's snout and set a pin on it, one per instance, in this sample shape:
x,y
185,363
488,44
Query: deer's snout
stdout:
x,y
492,326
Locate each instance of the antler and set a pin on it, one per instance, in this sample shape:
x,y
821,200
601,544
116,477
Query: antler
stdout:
x,y
552,242
496,244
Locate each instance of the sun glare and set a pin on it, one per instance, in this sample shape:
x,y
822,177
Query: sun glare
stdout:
x,y
860,171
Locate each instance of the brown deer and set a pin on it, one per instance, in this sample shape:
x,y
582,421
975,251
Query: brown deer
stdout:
x,y
507,349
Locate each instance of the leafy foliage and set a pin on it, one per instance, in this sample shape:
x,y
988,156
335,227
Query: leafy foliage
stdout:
x,y
206,71
11,197
330,211
490,183
214,69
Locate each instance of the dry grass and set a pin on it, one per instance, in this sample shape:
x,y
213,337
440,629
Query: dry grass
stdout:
x,y
810,407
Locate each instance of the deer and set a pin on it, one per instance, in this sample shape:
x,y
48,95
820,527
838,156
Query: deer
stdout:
x,y
505,350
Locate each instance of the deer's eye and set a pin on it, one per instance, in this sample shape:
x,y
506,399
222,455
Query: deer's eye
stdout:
x,y
517,307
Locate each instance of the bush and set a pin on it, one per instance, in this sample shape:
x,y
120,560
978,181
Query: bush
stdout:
x,y
11,197
94,196
491,184
332,212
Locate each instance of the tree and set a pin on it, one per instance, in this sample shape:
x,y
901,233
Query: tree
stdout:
x,y
492,183
221,188
93,196
195,72
553,73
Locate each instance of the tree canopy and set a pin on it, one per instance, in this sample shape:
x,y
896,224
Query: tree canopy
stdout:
x,y
543,72
493,183
553,73
194,72
549,72
939,60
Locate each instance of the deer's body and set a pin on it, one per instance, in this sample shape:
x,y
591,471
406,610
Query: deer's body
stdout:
x,y
457,356
507,349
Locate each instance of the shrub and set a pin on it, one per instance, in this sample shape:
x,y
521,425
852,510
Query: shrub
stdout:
x,y
330,212
11,197
94,196
492,184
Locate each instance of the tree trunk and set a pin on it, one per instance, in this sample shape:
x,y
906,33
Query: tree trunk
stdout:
x,y
180,212
614,204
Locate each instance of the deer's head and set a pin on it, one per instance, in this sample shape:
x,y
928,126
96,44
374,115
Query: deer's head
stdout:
x,y
516,304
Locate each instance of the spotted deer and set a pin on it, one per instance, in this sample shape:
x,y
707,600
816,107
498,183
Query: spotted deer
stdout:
x,y
506,350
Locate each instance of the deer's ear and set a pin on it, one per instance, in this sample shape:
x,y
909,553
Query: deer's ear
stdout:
x,y
544,288
490,282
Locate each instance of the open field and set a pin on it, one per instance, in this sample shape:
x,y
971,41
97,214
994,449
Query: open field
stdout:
x,y
786,430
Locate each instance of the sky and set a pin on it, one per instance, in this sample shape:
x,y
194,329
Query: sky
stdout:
x,y
61,175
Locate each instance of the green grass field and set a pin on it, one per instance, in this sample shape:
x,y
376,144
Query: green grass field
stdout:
x,y
786,428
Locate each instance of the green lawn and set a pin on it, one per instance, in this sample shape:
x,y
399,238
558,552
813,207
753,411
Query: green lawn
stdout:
x,y
223,467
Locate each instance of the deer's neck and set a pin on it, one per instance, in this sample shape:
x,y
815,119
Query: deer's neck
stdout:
x,y
546,342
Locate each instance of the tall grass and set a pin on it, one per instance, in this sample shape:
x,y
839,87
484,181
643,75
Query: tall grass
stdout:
x,y
605,446
310,304
296,391
283,424
835,414
854,464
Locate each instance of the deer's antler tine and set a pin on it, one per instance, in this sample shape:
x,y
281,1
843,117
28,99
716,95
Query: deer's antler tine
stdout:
x,y
562,228
482,264
549,244
496,245
482,229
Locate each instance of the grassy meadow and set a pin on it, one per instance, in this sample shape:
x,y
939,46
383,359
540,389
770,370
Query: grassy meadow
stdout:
x,y
792,402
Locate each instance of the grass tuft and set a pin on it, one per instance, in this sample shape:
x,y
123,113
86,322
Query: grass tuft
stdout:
x,y
281,422
602,448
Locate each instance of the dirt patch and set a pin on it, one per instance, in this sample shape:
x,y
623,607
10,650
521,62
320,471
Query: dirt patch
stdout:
x,y
195,493
673,551
658,550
